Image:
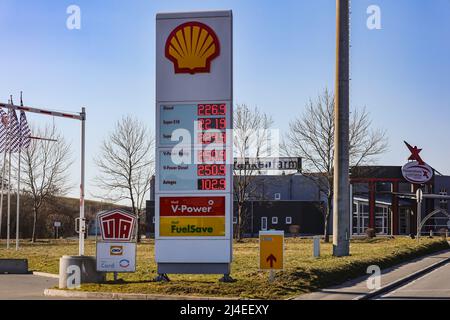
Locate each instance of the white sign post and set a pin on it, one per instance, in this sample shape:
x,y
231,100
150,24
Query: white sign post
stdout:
x,y
194,171
57,225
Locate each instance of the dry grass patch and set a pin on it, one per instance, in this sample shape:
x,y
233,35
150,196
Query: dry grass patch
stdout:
x,y
303,273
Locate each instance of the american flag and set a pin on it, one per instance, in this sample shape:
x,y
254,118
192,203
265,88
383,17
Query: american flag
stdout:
x,y
3,129
25,132
14,132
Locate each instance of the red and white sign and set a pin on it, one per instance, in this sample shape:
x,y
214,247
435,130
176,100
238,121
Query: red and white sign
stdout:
x,y
116,225
192,206
417,173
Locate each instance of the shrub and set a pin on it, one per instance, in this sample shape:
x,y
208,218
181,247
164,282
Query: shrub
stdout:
x,y
370,232
443,232
294,230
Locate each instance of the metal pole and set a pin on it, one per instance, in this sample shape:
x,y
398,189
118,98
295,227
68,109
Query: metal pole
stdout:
x,y
419,213
6,146
271,276
2,187
82,191
18,199
8,223
351,211
341,221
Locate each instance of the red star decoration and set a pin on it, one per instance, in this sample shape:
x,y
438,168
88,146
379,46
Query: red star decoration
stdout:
x,y
415,154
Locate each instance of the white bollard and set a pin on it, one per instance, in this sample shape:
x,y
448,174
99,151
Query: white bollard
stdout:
x,y
317,246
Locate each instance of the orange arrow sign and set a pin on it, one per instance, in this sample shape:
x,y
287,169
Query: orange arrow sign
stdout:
x,y
271,250
271,259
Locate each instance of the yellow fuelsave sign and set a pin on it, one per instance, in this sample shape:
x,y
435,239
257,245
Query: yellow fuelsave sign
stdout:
x,y
192,227
271,250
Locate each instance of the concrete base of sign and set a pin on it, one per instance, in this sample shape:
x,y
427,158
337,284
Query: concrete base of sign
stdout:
x,y
194,268
13,266
86,268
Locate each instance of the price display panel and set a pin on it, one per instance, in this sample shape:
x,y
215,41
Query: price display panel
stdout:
x,y
197,124
195,147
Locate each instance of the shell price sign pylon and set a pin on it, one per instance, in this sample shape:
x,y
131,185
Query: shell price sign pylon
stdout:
x,y
194,167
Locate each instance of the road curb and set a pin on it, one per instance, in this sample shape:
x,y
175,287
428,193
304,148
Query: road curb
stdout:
x,y
396,284
46,275
124,296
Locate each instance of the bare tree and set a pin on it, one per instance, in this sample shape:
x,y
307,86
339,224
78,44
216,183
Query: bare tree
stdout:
x,y
125,165
45,170
312,137
251,132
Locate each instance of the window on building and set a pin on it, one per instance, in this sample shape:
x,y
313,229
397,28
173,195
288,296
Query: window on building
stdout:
x,y
288,220
383,187
277,196
405,187
444,202
274,220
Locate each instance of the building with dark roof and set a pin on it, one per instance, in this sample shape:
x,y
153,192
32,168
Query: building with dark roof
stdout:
x,y
381,200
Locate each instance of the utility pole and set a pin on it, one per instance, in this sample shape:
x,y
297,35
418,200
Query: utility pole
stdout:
x,y
341,203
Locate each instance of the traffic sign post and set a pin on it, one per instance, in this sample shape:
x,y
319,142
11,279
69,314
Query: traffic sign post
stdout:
x,y
194,172
419,198
271,251
57,225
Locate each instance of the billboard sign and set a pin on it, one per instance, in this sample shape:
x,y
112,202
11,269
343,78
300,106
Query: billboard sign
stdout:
x,y
116,252
194,118
270,164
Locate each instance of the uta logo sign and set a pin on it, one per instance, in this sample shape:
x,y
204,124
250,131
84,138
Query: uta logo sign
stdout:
x,y
116,225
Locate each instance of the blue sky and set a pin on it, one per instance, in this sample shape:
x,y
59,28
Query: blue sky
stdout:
x,y
284,55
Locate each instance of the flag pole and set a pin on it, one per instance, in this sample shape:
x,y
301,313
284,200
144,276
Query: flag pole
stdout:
x,y
18,178
18,202
8,226
2,189
3,177
9,201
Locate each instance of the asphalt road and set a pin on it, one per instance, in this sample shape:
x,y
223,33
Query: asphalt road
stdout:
x,y
433,285
25,287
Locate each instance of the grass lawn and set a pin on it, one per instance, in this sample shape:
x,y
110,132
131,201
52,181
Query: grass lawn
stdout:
x,y
303,273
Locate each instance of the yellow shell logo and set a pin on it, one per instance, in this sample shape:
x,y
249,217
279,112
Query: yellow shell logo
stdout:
x,y
192,47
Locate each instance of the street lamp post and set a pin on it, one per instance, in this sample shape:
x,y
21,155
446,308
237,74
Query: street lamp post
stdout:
x,y
341,203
